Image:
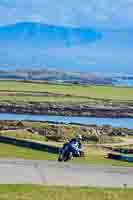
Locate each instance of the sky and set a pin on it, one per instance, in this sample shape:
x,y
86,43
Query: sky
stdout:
x,y
109,13
113,18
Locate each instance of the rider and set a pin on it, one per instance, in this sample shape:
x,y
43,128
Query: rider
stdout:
x,y
75,145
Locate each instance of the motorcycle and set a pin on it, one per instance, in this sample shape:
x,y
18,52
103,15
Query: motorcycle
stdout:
x,y
65,154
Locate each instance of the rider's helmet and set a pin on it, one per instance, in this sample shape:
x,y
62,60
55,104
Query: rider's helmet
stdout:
x,y
79,137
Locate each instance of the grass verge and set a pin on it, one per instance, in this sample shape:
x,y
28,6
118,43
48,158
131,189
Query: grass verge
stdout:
x,y
12,151
93,156
33,192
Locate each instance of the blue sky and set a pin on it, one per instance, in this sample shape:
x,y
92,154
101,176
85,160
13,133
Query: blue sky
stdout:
x,y
111,13
113,18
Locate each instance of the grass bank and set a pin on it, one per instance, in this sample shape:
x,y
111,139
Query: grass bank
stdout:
x,y
33,192
12,151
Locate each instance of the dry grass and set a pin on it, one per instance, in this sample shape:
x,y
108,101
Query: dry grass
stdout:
x,y
23,134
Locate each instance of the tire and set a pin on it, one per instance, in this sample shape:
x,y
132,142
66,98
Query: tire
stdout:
x,y
60,158
64,155
68,156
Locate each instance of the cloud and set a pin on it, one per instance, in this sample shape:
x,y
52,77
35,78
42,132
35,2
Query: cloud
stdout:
x,y
113,53
65,12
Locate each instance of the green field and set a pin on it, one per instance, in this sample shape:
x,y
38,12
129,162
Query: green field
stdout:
x,y
36,192
94,92
24,99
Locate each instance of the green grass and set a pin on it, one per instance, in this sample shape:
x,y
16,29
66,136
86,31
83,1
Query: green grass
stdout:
x,y
98,92
93,156
12,151
98,156
36,192
101,160
51,99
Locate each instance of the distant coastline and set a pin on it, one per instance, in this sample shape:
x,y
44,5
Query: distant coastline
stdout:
x,y
56,76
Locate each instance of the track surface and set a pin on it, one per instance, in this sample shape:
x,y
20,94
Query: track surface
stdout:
x,y
53,173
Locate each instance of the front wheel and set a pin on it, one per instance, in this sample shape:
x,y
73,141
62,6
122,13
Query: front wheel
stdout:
x,y
68,156
60,158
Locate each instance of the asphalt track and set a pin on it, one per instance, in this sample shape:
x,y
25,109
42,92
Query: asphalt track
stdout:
x,y
66,174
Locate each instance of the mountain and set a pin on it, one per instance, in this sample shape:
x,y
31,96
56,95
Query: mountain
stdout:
x,y
50,35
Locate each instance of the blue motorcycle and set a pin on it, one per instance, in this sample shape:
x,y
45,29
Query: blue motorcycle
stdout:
x,y
68,151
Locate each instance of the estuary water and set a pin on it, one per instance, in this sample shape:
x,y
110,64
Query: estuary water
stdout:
x,y
115,122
